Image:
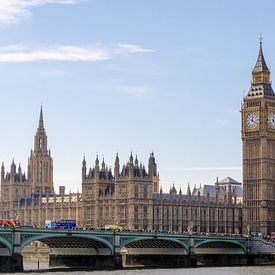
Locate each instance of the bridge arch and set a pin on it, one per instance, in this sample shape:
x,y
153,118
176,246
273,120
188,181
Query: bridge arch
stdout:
x,y
171,246
5,247
220,246
89,240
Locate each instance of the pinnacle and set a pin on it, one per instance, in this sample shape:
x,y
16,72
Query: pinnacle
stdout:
x,y
41,120
260,65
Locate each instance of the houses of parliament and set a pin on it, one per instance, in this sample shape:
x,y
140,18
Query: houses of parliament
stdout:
x,y
130,195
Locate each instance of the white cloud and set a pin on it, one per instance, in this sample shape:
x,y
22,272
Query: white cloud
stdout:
x,y
12,11
132,48
58,53
21,53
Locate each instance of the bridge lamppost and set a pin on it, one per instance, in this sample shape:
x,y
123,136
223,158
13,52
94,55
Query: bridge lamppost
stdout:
x,y
248,229
190,228
192,258
190,233
37,254
260,234
17,217
248,238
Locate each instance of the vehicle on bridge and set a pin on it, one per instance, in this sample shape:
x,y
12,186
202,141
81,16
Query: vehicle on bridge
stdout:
x,y
9,223
257,234
61,224
113,227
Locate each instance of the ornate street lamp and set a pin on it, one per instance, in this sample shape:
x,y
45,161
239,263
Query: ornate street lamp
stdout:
x,y
190,228
248,229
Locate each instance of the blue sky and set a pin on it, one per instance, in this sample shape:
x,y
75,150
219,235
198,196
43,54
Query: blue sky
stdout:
x,y
122,76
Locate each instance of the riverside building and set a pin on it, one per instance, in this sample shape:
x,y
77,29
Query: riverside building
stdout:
x,y
130,195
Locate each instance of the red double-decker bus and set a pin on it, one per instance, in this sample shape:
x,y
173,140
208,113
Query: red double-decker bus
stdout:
x,y
8,223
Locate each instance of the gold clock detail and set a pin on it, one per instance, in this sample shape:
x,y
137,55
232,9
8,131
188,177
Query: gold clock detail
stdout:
x,y
252,120
271,120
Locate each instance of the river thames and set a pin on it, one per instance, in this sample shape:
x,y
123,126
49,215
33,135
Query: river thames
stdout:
x,y
243,270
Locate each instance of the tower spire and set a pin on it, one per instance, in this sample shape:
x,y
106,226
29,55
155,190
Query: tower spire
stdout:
x,y
40,164
260,65
40,140
41,120
260,84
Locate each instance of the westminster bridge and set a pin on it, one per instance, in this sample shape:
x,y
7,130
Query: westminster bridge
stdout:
x,y
97,249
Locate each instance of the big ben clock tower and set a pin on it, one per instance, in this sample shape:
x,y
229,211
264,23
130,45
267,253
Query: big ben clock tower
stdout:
x,y
258,136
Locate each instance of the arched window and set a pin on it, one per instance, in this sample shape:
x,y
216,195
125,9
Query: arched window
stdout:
x,y
145,192
40,171
136,192
40,142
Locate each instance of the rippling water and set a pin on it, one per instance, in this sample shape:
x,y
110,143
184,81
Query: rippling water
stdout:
x,y
243,270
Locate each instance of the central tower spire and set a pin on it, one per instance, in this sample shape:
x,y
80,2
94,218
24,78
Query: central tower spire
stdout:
x,y
41,120
40,139
40,167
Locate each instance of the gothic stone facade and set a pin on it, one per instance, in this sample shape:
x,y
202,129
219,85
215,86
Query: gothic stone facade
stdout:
x,y
31,199
258,135
128,196
131,198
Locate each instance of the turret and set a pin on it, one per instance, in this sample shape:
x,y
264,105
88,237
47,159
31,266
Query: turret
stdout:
x,y
20,172
131,160
152,166
13,168
116,168
136,162
194,189
97,168
2,172
199,194
131,166
84,169
90,173
174,190
103,166
188,190
217,189
19,169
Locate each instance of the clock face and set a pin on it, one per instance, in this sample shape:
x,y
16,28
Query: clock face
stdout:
x,y
252,120
271,120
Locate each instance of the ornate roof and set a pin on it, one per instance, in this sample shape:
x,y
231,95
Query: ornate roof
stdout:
x,y
261,84
260,65
228,180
